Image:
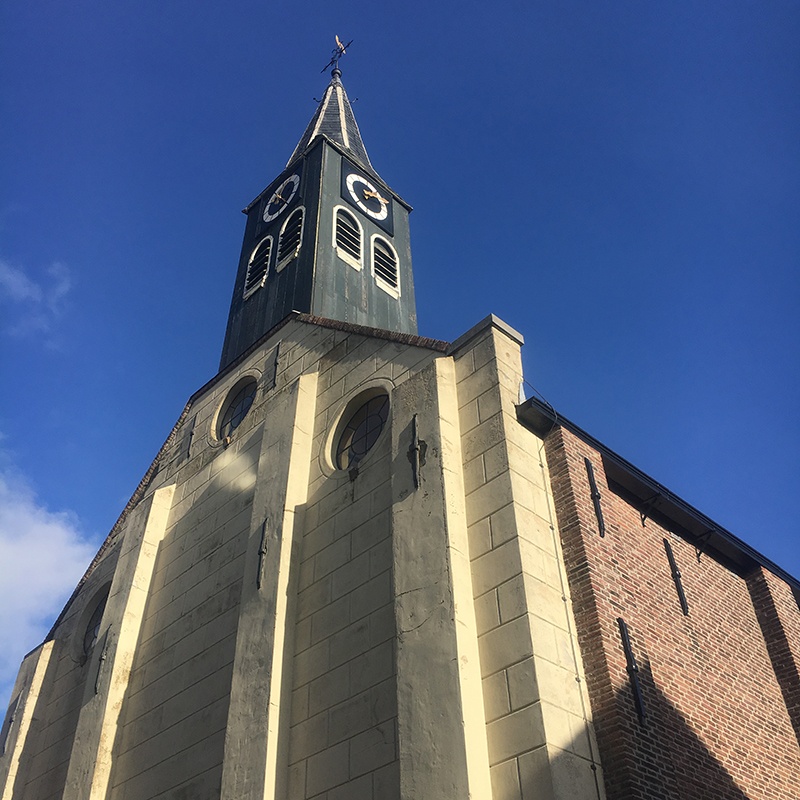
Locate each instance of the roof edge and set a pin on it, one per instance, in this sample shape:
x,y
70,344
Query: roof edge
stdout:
x,y
490,321
542,418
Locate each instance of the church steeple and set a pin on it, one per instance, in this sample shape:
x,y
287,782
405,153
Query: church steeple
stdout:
x,y
334,119
327,237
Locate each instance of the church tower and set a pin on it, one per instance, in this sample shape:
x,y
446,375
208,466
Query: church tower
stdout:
x,y
327,237
359,568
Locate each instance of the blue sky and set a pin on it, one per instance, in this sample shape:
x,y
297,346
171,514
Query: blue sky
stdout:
x,y
617,180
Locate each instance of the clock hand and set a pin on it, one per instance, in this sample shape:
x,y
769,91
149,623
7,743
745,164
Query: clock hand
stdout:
x,y
368,194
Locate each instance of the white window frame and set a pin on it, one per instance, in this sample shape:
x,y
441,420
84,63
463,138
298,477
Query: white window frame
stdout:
x,y
343,254
247,292
394,291
287,258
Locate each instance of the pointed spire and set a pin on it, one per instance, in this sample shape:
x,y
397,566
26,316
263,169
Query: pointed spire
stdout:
x,y
334,119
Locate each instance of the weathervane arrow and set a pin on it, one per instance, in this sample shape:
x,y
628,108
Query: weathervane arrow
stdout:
x,y
336,54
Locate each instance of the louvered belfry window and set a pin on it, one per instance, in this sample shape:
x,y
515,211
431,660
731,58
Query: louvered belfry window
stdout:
x,y
289,242
258,266
348,237
384,264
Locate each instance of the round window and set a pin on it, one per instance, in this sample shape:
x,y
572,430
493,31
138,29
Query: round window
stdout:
x,y
93,626
236,407
362,431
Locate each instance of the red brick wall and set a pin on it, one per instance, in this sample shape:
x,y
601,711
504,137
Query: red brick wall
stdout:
x,y
717,725
777,613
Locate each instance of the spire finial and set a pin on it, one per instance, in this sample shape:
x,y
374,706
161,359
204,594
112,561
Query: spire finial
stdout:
x,y
336,54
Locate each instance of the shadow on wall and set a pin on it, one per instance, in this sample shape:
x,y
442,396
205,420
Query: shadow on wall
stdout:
x,y
175,705
778,644
661,758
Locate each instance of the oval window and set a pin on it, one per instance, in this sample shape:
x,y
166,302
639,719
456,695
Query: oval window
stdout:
x,y
362,431
236,407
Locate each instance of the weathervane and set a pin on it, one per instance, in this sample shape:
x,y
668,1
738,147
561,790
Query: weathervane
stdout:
x,y
336,54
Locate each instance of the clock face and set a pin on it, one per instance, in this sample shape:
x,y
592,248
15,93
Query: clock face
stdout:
x,y
367,197
362,192
281,197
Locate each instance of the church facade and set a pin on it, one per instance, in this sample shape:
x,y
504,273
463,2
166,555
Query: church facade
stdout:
x,y
360,567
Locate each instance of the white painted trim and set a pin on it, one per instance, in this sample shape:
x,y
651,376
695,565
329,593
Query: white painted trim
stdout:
x,y
342,414
233,389
342,119
245,292
325,102
343,254
287,258
394,291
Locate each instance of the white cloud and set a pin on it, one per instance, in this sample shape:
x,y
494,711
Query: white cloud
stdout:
x,y
17,286
36,305
42,556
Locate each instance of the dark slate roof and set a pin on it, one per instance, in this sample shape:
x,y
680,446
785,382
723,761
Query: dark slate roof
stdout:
x,y
334,120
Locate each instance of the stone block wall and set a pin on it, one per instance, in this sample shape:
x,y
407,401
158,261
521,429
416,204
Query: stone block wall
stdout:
x,y
38,768
342,737
539,729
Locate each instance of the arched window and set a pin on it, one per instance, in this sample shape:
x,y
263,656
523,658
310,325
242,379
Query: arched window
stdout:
x,y
258,266
348,238
235,407
92,630
290,238
384,266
